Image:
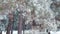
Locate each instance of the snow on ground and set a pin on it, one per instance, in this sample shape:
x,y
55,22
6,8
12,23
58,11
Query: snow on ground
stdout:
x,y
57,32
32,32
14,32
26,32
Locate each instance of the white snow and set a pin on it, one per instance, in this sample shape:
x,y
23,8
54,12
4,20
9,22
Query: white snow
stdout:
x,y
31,32
58,32
14,32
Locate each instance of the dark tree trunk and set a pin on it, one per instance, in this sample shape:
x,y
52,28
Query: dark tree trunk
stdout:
x,y
20,24
12,28
1,32
8,29
48,32
23,24
10,24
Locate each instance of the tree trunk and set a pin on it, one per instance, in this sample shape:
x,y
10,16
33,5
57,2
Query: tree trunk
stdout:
x,y
12,28
8,29
23,24
20,24
10,24
1,32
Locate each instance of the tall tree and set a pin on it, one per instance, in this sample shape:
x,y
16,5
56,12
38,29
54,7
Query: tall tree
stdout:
x,y
9,27
20,24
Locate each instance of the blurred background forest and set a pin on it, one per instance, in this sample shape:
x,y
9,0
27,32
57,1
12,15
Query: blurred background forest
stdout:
x,y
32,15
